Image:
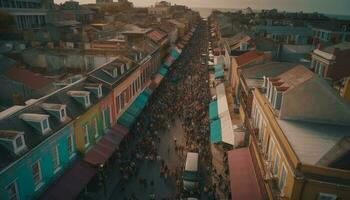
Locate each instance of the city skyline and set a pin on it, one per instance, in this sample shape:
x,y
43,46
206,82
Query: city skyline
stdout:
x,y
321,6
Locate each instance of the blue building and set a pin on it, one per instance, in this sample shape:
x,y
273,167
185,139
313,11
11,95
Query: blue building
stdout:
x,y
36,146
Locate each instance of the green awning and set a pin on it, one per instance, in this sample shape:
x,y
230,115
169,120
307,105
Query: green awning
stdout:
x,y
213,110
163,71
135,109
190,176
219,74
147,92
219,67
215,131
126,120
141,101
175,54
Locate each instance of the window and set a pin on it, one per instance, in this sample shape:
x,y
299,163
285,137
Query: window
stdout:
x,y
105,118
273,98
95,127
19,142
261,130
271,147
99,92
63,113
320,70
70,145
326,196
55,158
45,124
12,191
276,164
36,170
86,135
282,180
87,101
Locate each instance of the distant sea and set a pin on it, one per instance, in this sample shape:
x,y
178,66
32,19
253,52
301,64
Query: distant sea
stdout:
x,y
205,12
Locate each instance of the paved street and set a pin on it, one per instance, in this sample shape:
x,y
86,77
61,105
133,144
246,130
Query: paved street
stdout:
x,y
150,170
153,179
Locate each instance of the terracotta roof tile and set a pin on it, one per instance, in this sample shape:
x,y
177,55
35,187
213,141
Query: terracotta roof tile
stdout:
x,y
248,57
294,77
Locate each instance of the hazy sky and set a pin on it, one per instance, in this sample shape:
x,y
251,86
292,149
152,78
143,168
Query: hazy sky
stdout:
x,y
326,6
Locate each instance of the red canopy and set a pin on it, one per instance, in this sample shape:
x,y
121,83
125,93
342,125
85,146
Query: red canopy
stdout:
x,y
106,146
71,183
244,183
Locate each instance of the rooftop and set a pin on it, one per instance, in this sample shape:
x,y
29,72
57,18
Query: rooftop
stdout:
x,y
254,73
293,77
7,134
52,106
285,30
78,93
33,117
157,35
13,121
341,46
99,74
248,57
312,141
28,78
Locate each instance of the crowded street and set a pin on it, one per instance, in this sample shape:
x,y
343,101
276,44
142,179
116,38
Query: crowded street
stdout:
x,y
174,122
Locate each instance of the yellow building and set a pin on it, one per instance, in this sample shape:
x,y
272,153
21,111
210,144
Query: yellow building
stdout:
x,y
300,138
88,128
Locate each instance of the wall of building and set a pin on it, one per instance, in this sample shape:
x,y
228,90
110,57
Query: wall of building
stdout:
x,y
87,119
56,62
124,92
312,190
21,171
107,105
268,136
340,68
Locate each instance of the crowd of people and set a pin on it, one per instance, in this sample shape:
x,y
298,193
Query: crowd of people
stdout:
x,y
183,95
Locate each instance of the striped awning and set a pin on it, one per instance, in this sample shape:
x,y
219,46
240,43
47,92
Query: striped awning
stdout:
x,y
221,130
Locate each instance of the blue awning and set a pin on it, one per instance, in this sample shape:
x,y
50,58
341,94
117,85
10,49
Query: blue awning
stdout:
x,y
163,71
126,120
219,74
130,115
221,130
175,54
219,67
213,110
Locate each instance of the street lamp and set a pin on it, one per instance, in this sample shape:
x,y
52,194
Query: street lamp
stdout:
x,y
102,179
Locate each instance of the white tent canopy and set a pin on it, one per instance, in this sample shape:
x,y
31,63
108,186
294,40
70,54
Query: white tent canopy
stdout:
x,y
226,129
